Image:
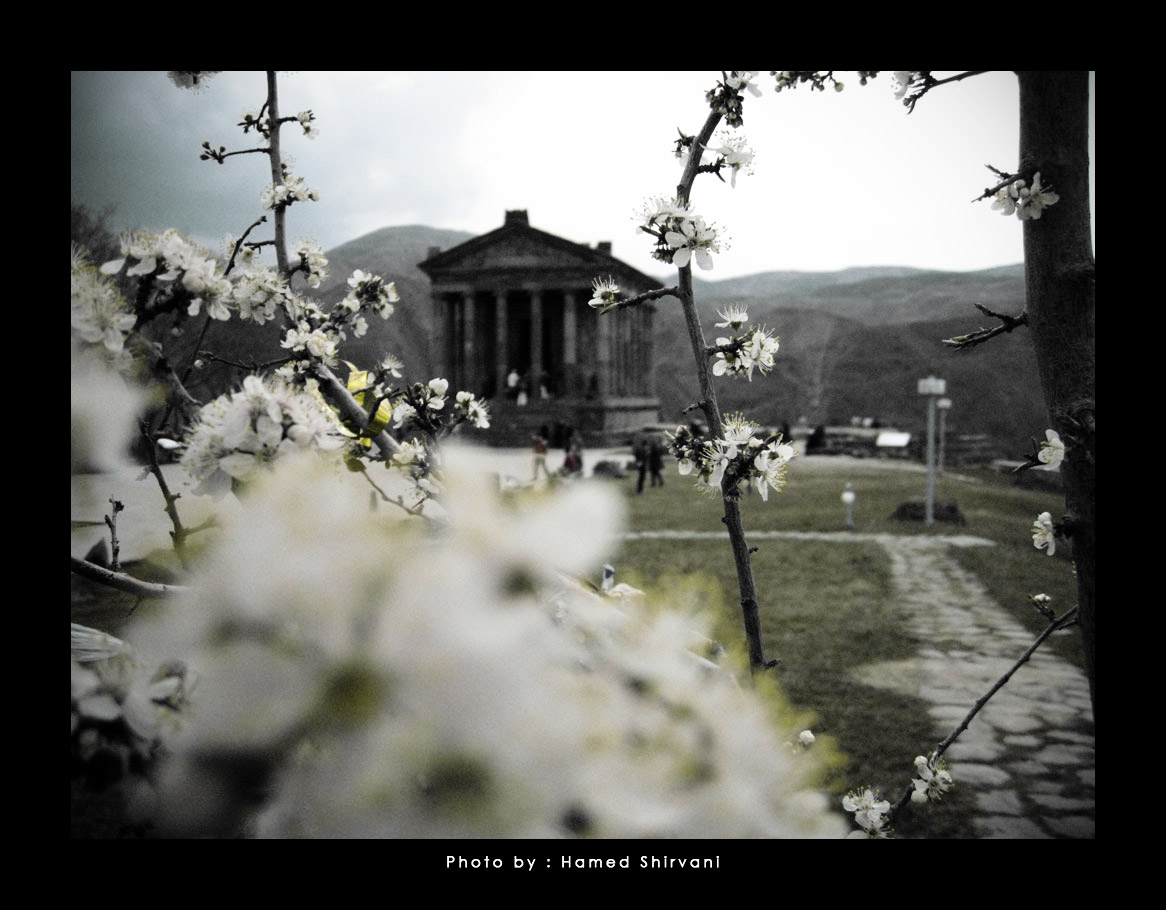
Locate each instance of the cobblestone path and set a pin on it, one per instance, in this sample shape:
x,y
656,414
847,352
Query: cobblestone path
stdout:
x,y
1029,753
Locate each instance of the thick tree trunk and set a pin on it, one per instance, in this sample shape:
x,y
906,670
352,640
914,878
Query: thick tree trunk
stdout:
x,y
1059,273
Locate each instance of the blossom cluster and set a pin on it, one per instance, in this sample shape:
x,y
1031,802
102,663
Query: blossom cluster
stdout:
x,y
739,458
370,292
453,679
726,96
239,433
932,780
1052,450
171,258
423,405
870,813
317,335
907,85
313,263
98,311
1026,202
260,293
732,154
791,79
121,708
1044,536
281,195
306,121
415,462
680,234
742,354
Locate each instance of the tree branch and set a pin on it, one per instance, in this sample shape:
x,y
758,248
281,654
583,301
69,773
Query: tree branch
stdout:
x,y
1007,324
123,582
641,298
277,174
732,511
351,410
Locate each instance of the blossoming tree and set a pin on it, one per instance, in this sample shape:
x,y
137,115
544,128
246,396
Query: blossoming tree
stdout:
x,y
438,670
1059,270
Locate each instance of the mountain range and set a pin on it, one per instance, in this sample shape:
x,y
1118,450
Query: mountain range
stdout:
x,y
854,343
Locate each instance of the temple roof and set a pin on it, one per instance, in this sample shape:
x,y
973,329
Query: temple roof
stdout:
x,y
516,252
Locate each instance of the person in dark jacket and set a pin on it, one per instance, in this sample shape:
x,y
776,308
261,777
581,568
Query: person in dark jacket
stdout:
x,y
656,462
642,453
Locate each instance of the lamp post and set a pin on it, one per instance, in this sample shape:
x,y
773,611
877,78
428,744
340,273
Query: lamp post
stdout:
x,y
944,405
848,499
932,388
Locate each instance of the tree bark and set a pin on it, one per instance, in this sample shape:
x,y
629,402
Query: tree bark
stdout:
x,y
1059,274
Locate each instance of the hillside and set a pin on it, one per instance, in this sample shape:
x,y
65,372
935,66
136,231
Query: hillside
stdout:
x,y
392,253
853,342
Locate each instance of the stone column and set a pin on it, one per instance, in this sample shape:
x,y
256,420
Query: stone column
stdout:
x,y
501,349
570,342
469,373
536,342
603,354
440,334
648,367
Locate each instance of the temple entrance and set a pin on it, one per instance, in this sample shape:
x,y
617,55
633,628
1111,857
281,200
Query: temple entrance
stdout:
x,y
513,326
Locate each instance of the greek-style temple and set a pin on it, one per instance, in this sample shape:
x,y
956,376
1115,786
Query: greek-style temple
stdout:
x,y
513,325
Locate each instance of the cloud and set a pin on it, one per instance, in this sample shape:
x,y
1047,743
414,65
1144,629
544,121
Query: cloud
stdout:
x,y
841,179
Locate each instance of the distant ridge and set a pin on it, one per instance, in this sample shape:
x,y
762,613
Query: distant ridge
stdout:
x,y
854,342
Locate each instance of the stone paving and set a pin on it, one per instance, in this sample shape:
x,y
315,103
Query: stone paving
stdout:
x,y
1029,752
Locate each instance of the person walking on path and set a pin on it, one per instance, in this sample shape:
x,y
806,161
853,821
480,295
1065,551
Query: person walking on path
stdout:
x,y
572,455
540,446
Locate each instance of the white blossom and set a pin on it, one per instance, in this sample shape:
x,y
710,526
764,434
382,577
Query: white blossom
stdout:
x,y
694,238
1043,535
604,293
903,82
98,312
1032,201
449,681
737,157
240,432
870,811
1052,451
933,779
734,317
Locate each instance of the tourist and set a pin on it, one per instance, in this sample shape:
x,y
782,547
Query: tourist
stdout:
x,y
641,452
540,447
573,456
656,462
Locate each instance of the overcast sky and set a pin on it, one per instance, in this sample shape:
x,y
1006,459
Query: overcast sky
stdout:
x,y
840,178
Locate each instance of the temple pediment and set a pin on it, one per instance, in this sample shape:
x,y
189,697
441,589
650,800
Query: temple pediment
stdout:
x,y
518,249
516,252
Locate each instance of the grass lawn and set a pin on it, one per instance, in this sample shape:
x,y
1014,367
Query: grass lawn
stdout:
x,y
828,607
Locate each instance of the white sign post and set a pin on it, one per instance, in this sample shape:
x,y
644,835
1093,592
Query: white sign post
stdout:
x,y
932,388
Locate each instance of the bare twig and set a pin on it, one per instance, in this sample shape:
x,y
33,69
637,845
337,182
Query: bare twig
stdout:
x,y
641,298
122,581
1054,625
1007,324
114,544
930,82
